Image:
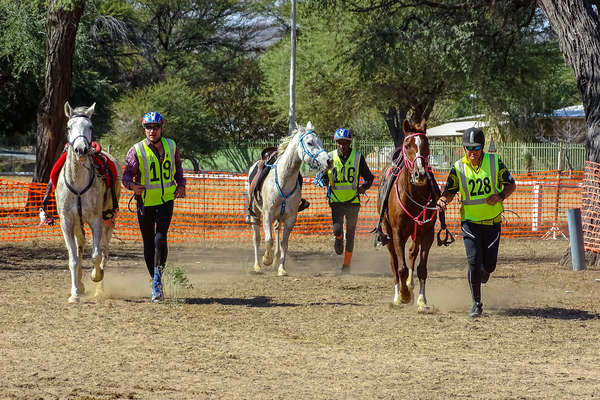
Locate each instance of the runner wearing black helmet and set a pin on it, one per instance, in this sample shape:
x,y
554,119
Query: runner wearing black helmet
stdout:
x,y
483,182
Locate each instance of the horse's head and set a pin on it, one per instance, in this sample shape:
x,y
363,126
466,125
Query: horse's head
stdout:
x,y
79,128
310,149
415,150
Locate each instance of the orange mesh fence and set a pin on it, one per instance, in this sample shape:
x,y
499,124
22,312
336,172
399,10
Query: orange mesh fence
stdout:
x,y
215,205
590,210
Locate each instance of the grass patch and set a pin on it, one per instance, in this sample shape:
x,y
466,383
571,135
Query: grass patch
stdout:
x,y
176,284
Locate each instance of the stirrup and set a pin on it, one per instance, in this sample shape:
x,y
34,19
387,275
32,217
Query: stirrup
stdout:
x,y
381,239
304,204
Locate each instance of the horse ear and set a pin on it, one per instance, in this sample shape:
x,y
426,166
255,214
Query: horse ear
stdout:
x,y
68,110
90,110
405,126
309,126
424,125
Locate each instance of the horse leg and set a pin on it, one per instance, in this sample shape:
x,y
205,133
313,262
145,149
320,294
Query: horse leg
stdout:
x,y
97,249
405,291
413,252
422,305
72,248
393,260
256,243
268,256
287,229
80,243
104,246
277,228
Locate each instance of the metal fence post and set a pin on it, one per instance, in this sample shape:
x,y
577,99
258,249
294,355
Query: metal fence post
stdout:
x,y
576,239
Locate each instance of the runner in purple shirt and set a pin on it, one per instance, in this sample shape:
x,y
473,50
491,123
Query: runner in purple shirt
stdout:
x,y
153,172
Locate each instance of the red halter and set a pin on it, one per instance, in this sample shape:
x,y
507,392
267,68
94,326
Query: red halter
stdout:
x,y
421,218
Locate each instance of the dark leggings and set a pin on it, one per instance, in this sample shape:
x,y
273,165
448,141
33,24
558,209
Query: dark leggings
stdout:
x,y
154,224
350,211
481,245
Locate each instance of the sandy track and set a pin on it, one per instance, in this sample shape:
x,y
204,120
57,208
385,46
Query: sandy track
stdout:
x,y
312,335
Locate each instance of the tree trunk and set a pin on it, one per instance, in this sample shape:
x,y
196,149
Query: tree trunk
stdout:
x,y
60,45
578,28
393,118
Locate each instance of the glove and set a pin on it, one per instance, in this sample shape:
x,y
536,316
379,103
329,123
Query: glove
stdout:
x,y
318,180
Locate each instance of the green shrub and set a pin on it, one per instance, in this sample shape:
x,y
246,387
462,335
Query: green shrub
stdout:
x,y
187,120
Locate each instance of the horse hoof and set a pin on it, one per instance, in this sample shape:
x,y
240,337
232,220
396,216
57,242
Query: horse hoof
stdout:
x,y
100,295
74,299
257,269
282,272
97,274
424,309
267,261
406,298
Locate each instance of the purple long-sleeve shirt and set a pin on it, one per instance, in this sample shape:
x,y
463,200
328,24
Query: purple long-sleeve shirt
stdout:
x,y
132,169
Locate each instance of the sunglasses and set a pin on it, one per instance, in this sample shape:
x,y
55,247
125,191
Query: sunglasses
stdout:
x,y
152,127
473,148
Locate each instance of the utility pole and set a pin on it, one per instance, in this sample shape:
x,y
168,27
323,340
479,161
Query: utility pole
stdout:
x,y
293,71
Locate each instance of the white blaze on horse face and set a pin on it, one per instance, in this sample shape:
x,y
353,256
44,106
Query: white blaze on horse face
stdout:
x,y
419,160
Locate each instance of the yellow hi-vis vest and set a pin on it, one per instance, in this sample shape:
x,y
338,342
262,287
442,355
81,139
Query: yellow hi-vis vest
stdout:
x,y
344,181
157,178
476,186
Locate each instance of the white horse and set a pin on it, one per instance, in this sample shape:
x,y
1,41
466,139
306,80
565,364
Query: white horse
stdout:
x,y
80,198
281,193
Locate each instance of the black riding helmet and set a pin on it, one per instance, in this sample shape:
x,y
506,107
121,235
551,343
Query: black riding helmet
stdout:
x,y
473,137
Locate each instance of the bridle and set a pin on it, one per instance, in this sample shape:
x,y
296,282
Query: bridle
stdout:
x,y
410,164
91,169
421,218
314,164
87,141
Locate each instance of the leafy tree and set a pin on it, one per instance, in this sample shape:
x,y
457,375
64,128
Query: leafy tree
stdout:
x,y
21,69
188,120
408,58
239,103
329,91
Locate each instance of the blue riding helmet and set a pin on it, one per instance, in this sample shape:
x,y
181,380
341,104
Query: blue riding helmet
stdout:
x,y
153,117
342,134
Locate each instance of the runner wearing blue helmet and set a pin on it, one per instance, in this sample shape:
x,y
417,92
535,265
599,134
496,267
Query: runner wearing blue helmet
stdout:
x,y
344,190
342,133
153,172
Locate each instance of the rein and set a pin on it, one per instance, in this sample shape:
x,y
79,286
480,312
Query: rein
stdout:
x,y
421,218
283,196
80,193
313,164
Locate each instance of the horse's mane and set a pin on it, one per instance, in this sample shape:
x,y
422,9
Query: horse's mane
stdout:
x,y
284,143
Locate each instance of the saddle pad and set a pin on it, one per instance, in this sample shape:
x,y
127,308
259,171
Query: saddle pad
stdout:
x,y
99,160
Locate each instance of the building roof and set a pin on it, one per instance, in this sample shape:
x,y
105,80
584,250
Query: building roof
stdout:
x,y
454,128
569,112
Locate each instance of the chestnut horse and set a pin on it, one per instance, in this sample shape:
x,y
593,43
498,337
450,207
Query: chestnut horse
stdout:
x,y
411,213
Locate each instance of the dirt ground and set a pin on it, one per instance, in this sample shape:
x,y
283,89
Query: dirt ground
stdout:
x,y
315,334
